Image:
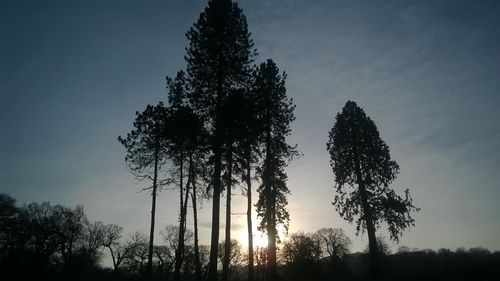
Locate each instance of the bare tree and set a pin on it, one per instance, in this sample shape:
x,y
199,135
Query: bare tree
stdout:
x,y
334,242
236,258
112,235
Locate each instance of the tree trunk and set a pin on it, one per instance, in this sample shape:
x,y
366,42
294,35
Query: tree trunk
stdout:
x,y
217,149
112,257
149,270
195,222
179,255
249,216
227,246
270,212
271,243
367,214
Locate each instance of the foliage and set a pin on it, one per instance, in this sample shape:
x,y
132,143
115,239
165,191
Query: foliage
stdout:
x,y
334,242
276,111
145,143
302,254
362,165
219,55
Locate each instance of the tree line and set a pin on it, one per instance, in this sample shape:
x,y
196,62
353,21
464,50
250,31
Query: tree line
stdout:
x,y
54,242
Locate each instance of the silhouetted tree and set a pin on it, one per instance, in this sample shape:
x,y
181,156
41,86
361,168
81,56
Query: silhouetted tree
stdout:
x,y
260,255
137,259
218,58
164,261
70,226
171,235
92,239
41,231
8,218
236,256
302,254
277,114
144,145
247,130
187,145
233,126
334,242
112,235
363,171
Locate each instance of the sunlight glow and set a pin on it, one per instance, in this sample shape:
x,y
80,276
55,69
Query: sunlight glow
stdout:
x,y
259,239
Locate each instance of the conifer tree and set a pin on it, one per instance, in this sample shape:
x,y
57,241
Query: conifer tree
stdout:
x,y
145,154
218,60
276,111
363,170
185,136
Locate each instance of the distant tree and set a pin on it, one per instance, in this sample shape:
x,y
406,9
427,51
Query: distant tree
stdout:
x,y
144,145
403,249
137,258
334,242
92,240
260,255
383,246
165,260
479,251
363,171
9,214
170,234
40,231
302,254
236,256
70,226
204,256
276,110
218,60
111,240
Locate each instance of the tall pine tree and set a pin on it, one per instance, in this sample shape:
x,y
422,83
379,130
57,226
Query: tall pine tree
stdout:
x,y
186,144
276,111
146,152
218,60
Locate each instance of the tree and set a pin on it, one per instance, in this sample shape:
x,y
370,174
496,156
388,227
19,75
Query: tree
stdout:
x,y
138,254
70,226
218,60
145,152
92,239
334,242
170,235
112,235
236,256
363,171
9,214
302,254
277,114
236,114
247,132
186,138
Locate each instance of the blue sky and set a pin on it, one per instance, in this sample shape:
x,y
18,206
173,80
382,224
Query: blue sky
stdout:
x,y
73,73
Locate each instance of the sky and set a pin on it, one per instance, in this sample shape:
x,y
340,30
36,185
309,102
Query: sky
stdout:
x,y
73,74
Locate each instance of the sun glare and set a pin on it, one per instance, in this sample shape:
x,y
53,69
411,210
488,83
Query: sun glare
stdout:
x,y
259,239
